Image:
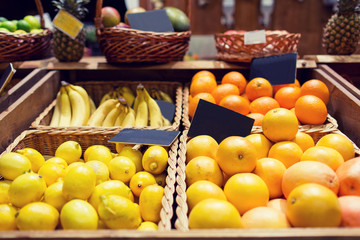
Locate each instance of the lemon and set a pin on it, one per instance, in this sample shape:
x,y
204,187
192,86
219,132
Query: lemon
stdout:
x,y
7,217
101,225
70,151
140,180
59,161
51,172
134,155
121,168
78,214
101,170
4,191
119,147
150,203
119,212
147,226
155,159
54,196
23,25
9,25
35,157
99,153
79,182
37,216
13,164
161,179
33,22
114,187
36,30
72,165
27,188
20,32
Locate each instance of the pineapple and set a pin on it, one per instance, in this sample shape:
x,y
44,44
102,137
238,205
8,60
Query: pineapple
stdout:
x,y
65,48
341,33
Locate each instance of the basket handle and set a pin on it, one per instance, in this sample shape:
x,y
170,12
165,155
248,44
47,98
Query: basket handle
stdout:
x,y
41,12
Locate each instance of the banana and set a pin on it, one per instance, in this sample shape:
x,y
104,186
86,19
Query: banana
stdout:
x,y
155,115
129,120
92,106
166,122
57,111
142,111
136,103
127,93
123,112
164,96
106,96
100,113
84,95
78,107
110,119
65,113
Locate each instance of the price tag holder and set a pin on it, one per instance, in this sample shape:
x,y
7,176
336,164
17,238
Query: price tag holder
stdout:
x,y
167,109
219,122
6,77
68,24
254,37
155,21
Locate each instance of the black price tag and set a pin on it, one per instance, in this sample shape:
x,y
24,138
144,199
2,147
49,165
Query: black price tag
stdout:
x,y
155,21
167,109
6,76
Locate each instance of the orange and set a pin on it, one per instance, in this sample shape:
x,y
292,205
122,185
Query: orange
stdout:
x,y
277,87
246,191
258,117
350,211
203,73
258,87
261,143
287,96
278,203
263,105
280,124
313,205
309,172
286,152
195,100
338,142
224,90
326,155
236,154
201,145
310,109
236,103
304,140
317,88
264,217
235,78
203,168
245,96
202,84
348,174
271,171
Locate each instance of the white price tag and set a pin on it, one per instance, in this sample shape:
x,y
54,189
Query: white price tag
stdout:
x,y
254,37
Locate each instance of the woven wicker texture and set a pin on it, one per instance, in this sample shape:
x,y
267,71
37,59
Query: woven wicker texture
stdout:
x,y
96,89
231,47
20,47
46,143
123,45
182,221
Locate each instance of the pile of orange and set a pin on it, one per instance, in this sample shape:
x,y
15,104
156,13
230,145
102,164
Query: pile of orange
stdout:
x,y
256,97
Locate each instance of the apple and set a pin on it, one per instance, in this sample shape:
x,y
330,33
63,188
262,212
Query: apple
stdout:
x,y
110,16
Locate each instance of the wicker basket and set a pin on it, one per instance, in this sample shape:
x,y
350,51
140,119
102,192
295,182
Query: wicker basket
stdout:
x,y
20,47
231,47
46,143
96,89
124,45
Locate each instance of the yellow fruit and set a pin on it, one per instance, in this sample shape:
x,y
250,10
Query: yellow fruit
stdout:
x,y
53,195
264,217
119,147
313,205
35,157
147,226
58,160
7,217
134,155
261,143
304,140
202,145
340,143
78,214
122,168
101,170
246,191
4,191
140,180
27,188
99,153
51,172
72,165
79,182
37,216
326,155
155,159
161,179
278,204
286,152
150,203
118,212
14,164
201,190
70,151
214,214
203,168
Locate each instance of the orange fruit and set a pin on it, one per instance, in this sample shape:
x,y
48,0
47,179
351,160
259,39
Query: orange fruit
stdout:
x,y
338,142
309,172
202,84
224,90
280,124
313,205
236,103
348,174
310,109
203,73
287,96
317,88
278,203
195,100
203,168
246,191
235,78
236,154
286,152
271,171
326,155
261,143
201,145
263,105
264,217
245,96
258,117
304,140
258,87
277,87
350,211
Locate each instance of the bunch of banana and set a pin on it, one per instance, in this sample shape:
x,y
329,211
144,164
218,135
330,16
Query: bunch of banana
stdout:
x,y
160,95
119,92
73,107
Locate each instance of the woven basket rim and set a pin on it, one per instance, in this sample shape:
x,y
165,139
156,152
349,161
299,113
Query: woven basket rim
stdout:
x,y
45,32
267,32
137,32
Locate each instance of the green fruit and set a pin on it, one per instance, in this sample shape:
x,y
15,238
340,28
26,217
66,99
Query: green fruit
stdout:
x,y
4,30
34,23
178,19
2,19
23,25
9,26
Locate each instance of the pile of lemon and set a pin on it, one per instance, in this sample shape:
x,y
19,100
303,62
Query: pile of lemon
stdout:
x,y
29,24
101,190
